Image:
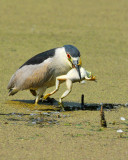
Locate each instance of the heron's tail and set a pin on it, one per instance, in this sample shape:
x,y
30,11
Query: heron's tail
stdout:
x,y
12,91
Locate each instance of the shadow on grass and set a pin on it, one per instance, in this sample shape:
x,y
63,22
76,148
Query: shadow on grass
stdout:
x,y
52,105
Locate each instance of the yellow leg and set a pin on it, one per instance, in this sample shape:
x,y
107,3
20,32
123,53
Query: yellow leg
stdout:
x,y
39,93
36,103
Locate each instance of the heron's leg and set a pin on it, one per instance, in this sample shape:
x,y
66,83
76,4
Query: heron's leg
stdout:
x,y
58,79
69,88
33,92
39,93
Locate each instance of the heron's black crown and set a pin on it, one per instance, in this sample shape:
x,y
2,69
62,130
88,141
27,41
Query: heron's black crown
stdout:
x,y
72,50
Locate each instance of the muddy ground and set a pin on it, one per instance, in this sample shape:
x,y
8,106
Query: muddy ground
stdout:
x,y
99,30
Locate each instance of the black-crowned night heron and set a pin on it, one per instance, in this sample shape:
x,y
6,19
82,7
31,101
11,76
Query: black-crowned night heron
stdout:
x,y
71,77
40,71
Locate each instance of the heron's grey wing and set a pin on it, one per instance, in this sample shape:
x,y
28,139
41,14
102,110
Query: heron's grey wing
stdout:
x,y
27,69
31,76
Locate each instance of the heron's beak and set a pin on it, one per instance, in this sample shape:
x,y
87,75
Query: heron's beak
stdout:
x,y
77,65
78,70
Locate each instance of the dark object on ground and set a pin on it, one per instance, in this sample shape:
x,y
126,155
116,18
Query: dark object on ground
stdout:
x,y
82,101
103,121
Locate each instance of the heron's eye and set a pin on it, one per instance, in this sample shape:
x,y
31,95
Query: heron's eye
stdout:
x,y
68,55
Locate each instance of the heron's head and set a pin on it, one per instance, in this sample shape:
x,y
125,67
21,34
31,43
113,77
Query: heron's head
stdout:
x,y
73,56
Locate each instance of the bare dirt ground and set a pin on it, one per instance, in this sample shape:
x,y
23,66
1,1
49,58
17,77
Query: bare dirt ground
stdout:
x,y
99,30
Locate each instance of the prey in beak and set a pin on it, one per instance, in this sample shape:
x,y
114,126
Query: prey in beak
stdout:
x,y
77,65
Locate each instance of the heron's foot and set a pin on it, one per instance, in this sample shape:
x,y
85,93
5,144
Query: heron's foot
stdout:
x,y
46,96
49,100
61,105
36,103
